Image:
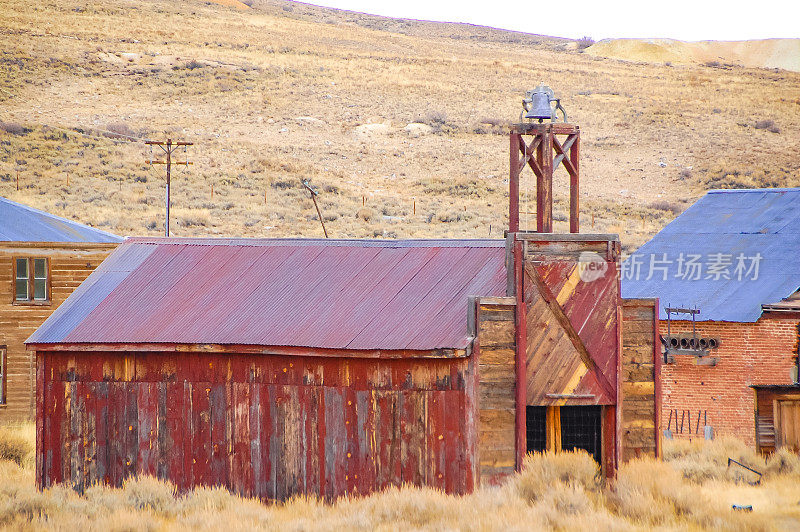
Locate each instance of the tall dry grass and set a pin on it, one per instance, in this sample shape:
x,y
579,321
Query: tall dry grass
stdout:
x,y
554,491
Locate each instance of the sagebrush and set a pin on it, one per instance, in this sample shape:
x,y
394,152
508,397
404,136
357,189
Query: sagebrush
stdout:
x,y
554,491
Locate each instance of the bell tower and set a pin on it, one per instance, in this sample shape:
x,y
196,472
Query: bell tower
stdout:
x,y
551,144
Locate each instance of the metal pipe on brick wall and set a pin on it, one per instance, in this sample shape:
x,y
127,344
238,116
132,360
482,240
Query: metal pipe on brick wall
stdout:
x,y
520,358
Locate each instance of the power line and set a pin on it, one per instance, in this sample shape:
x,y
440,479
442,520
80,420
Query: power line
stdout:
x,y
168,147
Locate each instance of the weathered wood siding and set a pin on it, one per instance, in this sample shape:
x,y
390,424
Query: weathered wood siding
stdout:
x,y
639,380
771,432
765,421
70,264
572,326
496,377
267,426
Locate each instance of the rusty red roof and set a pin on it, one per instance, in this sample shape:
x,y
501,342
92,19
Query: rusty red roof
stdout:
x,y
338,294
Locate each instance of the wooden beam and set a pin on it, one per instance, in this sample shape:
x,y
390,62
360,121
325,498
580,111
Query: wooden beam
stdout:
x,y
569,237
561,151
520,362
574,191
533,128
529,152
251,349
553,429
547,188
513,182
610,433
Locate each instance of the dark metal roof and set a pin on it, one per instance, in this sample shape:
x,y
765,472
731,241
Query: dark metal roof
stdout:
x,y
20,223
339,294
761,223
777,387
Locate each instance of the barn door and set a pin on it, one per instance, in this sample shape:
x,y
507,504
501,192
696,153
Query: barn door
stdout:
x,y
787,424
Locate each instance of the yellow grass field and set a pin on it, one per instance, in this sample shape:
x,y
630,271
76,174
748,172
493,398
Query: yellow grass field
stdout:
x,y
692,490
283,92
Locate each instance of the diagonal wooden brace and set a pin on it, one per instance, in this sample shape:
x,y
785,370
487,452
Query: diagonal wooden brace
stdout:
x,y
562,150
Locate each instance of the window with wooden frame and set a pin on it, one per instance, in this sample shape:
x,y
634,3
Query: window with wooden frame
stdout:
x,y
3,371
31,281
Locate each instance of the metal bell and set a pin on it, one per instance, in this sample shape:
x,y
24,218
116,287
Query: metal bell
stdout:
x,y
536,104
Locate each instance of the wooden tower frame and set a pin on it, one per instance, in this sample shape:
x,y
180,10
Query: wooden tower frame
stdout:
x,y
544,154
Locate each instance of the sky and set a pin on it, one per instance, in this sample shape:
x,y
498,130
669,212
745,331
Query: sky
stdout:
x,y
686,20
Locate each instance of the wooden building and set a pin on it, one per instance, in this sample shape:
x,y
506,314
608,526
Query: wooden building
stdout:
x,y
331,367
43,258
732,258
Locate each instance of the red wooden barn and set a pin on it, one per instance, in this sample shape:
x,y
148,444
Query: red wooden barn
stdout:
x,y
331,367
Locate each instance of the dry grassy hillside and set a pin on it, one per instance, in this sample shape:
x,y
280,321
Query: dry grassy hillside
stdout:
x,y
283,92
764,53
693,490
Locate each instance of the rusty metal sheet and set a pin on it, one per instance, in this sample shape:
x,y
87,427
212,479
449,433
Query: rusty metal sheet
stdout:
x,y
355,294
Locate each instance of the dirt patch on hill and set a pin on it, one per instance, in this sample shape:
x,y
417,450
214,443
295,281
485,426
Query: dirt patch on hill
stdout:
x,y
767,53
231,3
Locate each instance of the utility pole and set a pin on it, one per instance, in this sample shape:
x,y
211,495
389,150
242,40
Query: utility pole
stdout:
x,y
168,147
314,199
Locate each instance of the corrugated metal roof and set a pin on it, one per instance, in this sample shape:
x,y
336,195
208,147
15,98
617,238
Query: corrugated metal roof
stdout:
x,y
20,223
732,231
339,294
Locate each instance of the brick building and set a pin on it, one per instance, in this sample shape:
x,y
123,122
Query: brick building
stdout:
x,y
733,257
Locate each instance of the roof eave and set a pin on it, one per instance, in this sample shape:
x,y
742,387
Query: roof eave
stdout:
x,y
439,352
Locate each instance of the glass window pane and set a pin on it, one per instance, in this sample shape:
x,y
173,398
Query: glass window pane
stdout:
x,y
22,268
40,268
40,289
22,289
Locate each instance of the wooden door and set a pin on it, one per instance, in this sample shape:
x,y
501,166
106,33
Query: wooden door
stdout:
x,y
787,424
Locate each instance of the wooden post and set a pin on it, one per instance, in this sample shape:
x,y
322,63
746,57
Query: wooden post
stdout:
x,y
553,429
657,360
169,164
40,411
609,438
540,179
520,360
546,192
513,182
574,192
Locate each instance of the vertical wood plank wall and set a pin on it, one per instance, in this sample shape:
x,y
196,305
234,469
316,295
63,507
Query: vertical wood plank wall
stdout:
x,y
496,377
768,426
70,264
261,425
640,431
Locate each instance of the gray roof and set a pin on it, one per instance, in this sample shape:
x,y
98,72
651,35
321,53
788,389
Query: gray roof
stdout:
x,y
20,223
747,246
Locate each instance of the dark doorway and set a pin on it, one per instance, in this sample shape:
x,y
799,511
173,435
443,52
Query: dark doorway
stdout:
x,y
581,428
536,428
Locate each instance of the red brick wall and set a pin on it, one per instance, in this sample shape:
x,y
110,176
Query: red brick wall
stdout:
x,y
763,352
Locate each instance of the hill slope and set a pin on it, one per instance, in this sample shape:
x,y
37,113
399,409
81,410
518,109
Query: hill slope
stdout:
x,y
765,53
283,92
